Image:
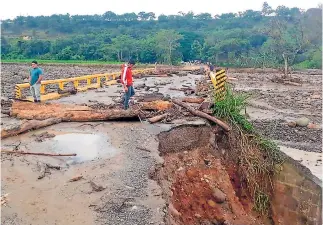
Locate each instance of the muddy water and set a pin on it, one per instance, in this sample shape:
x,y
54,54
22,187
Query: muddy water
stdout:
x,y
86,146
107,155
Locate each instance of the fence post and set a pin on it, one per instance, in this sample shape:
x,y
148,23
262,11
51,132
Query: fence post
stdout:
x,y
76,83
42,89
18,92
61,85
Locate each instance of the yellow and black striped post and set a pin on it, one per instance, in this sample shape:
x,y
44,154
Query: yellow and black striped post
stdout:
x,y
17,92
219,80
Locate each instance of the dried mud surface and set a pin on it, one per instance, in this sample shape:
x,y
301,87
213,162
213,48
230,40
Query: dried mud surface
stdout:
x,y
273,104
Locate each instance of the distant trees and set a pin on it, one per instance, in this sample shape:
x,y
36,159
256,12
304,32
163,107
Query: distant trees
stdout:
x,y
287,34
167,41
267,38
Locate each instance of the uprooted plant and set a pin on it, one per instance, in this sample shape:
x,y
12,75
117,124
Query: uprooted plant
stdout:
x,y
255,155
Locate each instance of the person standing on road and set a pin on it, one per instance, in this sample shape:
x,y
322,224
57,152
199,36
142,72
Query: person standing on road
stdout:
x,y
126,80
35,78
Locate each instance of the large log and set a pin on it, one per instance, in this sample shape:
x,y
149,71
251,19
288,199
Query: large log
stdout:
x,y
202,115
66,112
27,126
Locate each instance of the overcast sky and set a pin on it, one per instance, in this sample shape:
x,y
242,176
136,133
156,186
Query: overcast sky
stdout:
x,y
11,8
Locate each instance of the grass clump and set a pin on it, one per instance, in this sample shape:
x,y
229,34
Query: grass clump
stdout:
x,y
230,108
254,155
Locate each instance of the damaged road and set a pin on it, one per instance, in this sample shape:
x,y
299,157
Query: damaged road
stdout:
x,y
142,169
110,171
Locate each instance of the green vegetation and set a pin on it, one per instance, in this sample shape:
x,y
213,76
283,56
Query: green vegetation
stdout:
x,y
255,155
230,108
267,38
59,61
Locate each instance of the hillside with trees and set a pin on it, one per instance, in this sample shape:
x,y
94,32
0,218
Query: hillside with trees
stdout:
x,y
274,38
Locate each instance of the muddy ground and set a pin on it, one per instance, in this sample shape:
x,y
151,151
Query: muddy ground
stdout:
x,y
114,156
273,105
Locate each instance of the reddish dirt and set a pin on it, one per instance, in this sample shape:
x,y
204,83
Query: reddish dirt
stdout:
x,y
239,188
192,178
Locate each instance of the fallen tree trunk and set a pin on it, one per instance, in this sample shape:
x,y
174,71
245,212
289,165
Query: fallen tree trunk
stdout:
x,y
157,118
193,100
29,125
35,153
203,115
77,113
66,112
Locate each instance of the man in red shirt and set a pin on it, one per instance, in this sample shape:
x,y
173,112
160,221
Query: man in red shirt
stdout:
x,y
126,80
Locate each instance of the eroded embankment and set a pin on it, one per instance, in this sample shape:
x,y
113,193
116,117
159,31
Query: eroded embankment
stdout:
x,y
202,186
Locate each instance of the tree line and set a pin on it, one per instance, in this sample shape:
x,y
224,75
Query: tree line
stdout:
x,y
267,38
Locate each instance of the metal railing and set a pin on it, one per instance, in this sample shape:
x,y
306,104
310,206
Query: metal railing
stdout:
x,y
110,78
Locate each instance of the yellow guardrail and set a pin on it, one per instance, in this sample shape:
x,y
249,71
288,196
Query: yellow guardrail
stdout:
x,y
219,80
110,79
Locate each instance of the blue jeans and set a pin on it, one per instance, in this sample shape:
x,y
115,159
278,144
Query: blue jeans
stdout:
x,y
127,96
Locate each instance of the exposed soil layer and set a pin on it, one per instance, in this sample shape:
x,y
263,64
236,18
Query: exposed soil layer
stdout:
x,y
197,186
183,138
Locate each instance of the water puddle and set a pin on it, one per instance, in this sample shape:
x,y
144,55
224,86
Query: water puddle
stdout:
x,y
86,146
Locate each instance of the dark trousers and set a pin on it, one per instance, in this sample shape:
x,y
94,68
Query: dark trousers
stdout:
x,y
127,96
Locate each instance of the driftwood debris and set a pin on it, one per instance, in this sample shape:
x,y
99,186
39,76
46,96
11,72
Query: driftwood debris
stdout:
x,y
156,105
36,153
29,125
202,115
292,83
157,118
143,149
193,100
75,179
182,89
